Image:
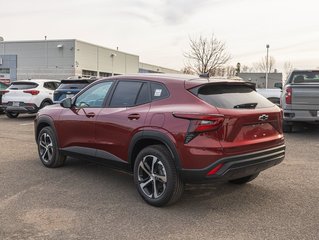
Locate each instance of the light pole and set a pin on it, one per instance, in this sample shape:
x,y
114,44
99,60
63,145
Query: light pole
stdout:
x,y
267,68
113,55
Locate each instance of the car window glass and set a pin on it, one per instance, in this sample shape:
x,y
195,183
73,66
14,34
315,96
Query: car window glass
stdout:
x,y
49,85
159,91
2,86
125,94
23,85
94,96
143,96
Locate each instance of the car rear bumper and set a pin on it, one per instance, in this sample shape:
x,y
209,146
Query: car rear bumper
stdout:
x,y
25,108
235,167
301,115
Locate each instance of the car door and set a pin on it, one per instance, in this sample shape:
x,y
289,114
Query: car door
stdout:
x,y
76,125
121,119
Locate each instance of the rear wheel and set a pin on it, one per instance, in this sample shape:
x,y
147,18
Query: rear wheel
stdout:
x,y
244,180
48,149
12,114
156,178
44,104
287,127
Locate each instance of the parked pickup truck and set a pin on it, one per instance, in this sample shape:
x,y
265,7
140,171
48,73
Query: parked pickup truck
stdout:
x,y
300,98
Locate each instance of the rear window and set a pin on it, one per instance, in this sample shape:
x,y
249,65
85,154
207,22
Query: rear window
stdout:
x,y
304,77
23,85
232,97
73,86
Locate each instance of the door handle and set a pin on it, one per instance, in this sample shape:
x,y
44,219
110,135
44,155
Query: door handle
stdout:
x,y
90,114
134,116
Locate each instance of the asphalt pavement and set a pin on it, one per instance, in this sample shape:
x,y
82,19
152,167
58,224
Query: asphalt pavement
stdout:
x,y
86,200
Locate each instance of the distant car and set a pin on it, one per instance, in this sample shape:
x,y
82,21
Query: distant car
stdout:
x,y
68,88
3,86
28,96
272,94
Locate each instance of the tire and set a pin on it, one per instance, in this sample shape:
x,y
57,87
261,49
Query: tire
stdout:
x,y
244,180
44,104
287,127
12,114
162,176
48,149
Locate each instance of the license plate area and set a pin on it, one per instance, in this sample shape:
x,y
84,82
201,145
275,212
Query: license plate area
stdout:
x,y
16,104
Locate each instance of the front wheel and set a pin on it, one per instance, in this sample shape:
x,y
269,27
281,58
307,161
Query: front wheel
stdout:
x,y
12,114
48,149
156,178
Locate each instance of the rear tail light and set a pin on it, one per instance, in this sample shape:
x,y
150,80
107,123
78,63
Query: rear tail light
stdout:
x,y
288,95
200,123
32,92
4,92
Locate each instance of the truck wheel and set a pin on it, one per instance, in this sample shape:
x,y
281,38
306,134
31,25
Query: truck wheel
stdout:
x,y
156,178
12,114
287,127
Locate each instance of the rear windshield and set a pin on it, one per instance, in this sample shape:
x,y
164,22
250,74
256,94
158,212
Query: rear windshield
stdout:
x,y
23,85
73,85
304,77
232,97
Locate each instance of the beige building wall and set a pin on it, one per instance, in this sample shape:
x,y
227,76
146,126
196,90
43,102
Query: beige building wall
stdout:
x,y
145,67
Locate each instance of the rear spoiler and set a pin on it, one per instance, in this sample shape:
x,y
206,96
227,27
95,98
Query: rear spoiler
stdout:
x,y
79,81
234,83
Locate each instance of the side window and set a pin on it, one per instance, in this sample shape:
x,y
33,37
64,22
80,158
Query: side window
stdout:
x,y
125,94
94,96
144,95
2,86
49,85
159,91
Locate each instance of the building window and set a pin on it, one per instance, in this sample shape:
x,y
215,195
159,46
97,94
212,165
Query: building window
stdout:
x,y
5,70
105,74
88,73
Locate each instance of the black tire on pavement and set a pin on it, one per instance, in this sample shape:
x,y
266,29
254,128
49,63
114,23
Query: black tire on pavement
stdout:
x,y
12,114
45,103
48,149
244,180
287,127
156,177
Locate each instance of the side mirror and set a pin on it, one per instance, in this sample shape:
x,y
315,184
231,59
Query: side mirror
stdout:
x,y
66,103
278,85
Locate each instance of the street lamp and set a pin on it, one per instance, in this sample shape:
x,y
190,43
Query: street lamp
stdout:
x,y
267,68
113,55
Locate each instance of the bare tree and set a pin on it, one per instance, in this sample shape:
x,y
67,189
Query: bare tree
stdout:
x,y
206,55
187,70
288,67
262,65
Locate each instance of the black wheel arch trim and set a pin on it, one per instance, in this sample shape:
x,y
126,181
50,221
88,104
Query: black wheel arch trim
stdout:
x,y
43,119
154,135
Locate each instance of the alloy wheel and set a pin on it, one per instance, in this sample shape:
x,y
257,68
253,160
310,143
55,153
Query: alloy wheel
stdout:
x,y
46,147
152,177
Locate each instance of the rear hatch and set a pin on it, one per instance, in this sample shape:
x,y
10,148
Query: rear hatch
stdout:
x,y
20,92
68,88
251,122
304,90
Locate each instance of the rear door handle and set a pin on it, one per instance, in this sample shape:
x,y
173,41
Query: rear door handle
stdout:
x,y
134,116
90,114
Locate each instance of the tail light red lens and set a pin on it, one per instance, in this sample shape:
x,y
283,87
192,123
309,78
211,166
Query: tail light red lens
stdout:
x,y
200,123
32,92
4,92
288,95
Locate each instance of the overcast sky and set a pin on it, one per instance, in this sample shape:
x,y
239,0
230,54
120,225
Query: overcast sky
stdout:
x,y
159,30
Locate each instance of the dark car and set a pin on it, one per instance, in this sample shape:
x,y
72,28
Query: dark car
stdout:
x,y
68,88
168,130
3,86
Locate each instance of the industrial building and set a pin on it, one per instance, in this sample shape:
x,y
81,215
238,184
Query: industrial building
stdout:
x,y
260,79
59,59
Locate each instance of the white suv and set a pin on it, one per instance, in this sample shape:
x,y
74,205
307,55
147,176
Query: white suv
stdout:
x,y
28,96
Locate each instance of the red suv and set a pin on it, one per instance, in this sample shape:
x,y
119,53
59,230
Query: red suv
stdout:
x,y
167,130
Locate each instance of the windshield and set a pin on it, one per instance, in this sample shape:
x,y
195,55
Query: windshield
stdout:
x,y
304,77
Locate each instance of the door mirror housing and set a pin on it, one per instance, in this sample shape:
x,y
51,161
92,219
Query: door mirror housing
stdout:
x,y
66,103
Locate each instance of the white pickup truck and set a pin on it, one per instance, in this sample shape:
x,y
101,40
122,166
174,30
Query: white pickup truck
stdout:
x,y
272,94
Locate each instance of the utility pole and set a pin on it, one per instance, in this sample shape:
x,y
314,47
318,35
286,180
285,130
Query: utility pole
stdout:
x,y
267,68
